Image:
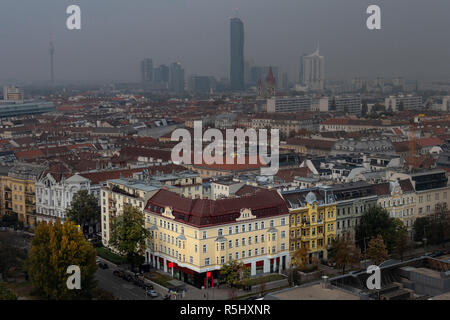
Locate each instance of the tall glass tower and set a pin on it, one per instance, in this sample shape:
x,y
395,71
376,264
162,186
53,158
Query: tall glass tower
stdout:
x,y
237,55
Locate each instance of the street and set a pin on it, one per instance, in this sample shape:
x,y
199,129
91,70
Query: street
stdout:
x,y
120,288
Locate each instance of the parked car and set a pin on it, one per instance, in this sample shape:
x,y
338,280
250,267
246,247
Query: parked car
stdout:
x,y
128,277
119,273
166,297
148,287
152,293
103,265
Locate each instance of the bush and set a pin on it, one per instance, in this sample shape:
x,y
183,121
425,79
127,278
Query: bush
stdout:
x,y
107,254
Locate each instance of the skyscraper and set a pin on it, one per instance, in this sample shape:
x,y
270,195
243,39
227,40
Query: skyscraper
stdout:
x,y
237,54
176,81
147,70
314,71
52,70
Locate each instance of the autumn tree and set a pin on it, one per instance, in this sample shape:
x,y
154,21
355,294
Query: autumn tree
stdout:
x,y
376,250
344,252
234,272
300,258
54,248
129,235
84,210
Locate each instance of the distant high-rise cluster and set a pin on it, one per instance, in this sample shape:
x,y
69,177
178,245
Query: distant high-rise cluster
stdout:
x,y
162,77
237,55
313,71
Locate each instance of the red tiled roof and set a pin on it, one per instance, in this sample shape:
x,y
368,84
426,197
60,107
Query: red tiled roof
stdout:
x,y
29,154
102,176
382,189
202,212
429,142
311,143
288,175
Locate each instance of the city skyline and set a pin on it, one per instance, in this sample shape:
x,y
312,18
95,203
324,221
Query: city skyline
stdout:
x,y
197,35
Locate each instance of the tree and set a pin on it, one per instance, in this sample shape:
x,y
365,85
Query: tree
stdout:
x,y
419,228
84,210
54,248
128,235
234,272
300,258
344,252
6,294
376,221
376,250
401,243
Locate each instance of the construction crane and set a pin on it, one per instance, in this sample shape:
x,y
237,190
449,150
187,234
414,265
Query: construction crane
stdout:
x,y
412,137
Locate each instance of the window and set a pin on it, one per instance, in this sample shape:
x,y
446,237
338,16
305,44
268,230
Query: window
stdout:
x,y
262,250
243,241
262,238
222,260
196,248
230,230
236,229
237,243
204,248
262,224
230,257
283,246
237,255
222,246
230,244
283,221
256,225
243,228
195,234
283,234
249,253
249,227
256,252
220,232
273,236
271,223
256,239
204,234
273,249
206,261
243,254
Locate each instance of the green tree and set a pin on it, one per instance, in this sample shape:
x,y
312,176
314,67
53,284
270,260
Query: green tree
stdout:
x,y
376,250
54,248
6,294
419,228
401,243
234,272
344,252
84,210
128,235
376,221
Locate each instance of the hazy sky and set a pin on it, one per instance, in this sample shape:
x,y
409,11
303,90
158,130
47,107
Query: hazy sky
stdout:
x,y
117,34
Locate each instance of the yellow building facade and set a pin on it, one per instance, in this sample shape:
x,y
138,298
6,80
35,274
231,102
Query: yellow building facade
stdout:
x,y
190,237
312,221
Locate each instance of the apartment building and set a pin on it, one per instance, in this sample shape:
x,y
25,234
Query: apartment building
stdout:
x,y
190,237
352,200
399,199
18,192
54,193
119,193
312,220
